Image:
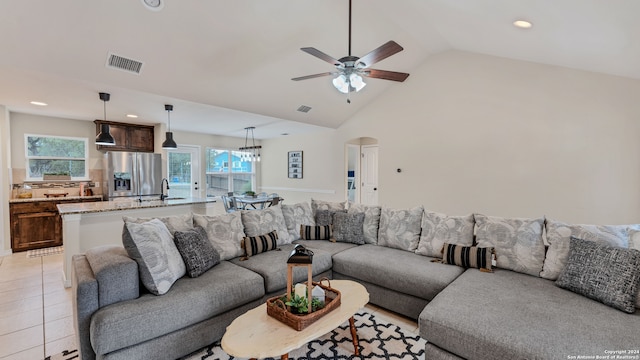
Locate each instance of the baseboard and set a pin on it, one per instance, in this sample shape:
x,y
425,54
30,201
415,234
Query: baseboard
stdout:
x,y
5,252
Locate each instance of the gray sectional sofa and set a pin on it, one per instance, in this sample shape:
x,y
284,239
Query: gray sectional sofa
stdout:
x,y
515,312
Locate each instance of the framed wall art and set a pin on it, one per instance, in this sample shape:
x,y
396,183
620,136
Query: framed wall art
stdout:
x,y
295,164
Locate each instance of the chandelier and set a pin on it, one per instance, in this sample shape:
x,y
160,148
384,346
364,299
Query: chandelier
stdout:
x,y
250,153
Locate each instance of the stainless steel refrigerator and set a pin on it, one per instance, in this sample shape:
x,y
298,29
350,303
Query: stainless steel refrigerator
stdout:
x,y
133,174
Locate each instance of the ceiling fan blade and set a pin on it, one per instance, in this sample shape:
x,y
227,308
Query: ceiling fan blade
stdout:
x,y
385,74
313,76
320,55
381,53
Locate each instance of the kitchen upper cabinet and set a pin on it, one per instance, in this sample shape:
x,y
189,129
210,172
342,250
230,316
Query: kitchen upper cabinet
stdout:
x,y
128,137
37,224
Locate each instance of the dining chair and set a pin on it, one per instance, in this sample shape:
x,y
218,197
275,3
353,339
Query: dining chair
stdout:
x,y
229,203
274,201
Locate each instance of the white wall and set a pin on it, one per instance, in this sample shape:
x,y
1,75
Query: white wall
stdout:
x,y
476,133
5,181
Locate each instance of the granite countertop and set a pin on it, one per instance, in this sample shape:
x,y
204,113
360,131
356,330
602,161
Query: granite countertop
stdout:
x,y
125,204
25,200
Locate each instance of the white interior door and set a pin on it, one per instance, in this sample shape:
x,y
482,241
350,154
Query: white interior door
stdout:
x,y
183,171
369,175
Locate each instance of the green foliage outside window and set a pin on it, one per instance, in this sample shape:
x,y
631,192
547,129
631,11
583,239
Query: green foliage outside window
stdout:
x,y
56,155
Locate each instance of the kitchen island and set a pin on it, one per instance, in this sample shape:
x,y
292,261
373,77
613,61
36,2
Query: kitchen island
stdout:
x,y
87,225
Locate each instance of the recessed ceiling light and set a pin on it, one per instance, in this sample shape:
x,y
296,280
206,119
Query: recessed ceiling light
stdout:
x,y
155,5
39,103
523,24
134,116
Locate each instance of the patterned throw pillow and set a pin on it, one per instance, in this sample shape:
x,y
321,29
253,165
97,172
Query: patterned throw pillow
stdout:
x,y
468,256
559,234
314,232
634,243
174,223
326,205
601,272
348,227
259,222
151,245
438,229
253,245
225,232
371,221
400,229
517,242
296,215
325,217
196,250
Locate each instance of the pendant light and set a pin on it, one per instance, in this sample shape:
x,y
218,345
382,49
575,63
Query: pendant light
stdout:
x,y
104,137
253,153
169,143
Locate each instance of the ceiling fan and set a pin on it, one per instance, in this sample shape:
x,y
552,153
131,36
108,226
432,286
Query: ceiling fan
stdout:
x,y
350,69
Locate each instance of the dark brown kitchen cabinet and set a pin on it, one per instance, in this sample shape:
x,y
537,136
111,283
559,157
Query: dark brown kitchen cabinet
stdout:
x,y
37,224
128,137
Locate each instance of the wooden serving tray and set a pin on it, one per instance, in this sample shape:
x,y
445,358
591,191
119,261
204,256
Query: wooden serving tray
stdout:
x,y
278,310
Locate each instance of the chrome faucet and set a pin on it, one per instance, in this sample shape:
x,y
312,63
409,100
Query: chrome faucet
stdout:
x,y
162,195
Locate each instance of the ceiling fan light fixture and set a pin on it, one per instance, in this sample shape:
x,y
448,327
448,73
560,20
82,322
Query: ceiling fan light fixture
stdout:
x,y
341,83
356,82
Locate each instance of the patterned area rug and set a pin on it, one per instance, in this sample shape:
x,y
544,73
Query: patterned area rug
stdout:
x,y
378,340
45,251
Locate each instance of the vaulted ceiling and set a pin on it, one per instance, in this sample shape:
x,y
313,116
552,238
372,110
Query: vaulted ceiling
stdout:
x,y
225,65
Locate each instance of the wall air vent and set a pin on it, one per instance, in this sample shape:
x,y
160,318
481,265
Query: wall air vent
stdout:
x,y
121,63
304,108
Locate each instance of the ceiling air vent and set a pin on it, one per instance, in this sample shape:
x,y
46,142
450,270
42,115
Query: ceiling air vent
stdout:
x,y
121,63
304,108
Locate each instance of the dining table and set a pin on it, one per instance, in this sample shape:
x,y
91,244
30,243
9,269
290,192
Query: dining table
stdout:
x,y
253,202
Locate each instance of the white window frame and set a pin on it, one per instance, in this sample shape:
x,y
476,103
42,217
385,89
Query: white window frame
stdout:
x,y
229,173
27,157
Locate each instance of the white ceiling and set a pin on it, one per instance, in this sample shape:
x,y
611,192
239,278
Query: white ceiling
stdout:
x,y
225,65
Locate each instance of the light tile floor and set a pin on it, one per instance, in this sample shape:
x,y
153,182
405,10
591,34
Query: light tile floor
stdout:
x,y
35,308
36,316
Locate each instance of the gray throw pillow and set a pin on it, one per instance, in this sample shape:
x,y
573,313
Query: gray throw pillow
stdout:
x,y
196,250
325,217
348,227
371,220
151,245
601,272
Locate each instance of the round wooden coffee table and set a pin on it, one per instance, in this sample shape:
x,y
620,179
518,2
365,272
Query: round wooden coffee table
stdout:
x,y
257,335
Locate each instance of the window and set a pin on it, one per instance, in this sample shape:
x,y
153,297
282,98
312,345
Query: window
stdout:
x,y
221,178
57,155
